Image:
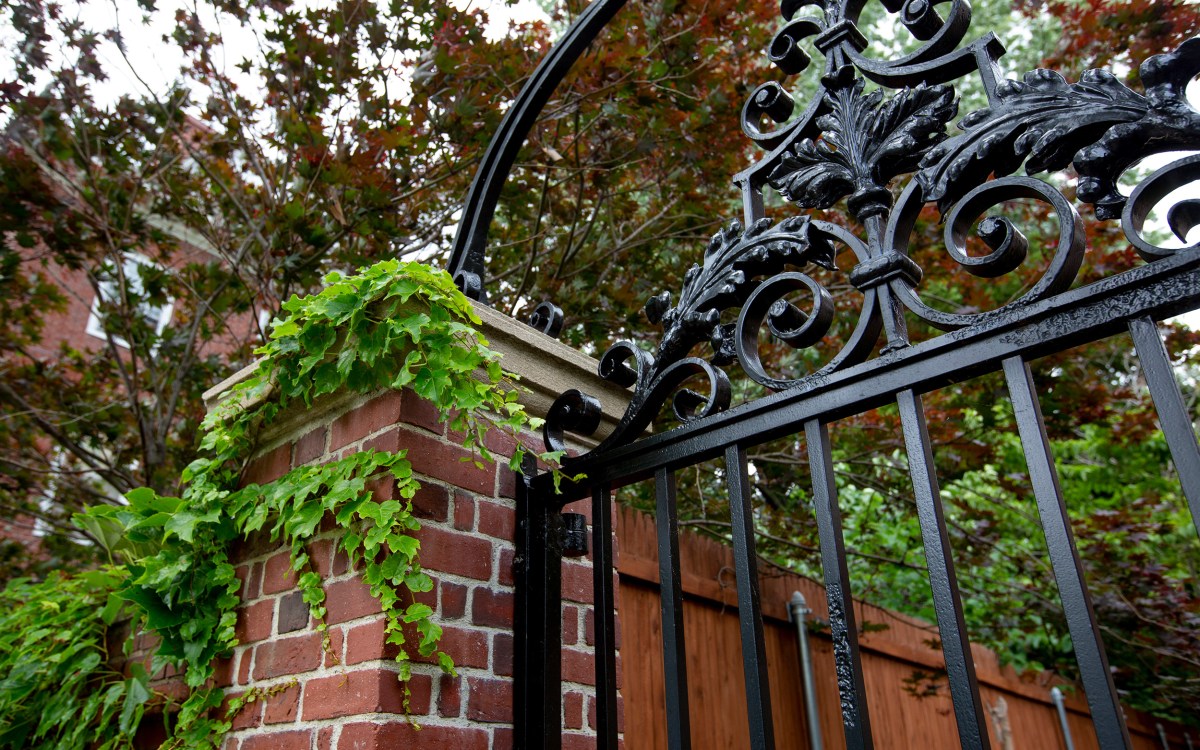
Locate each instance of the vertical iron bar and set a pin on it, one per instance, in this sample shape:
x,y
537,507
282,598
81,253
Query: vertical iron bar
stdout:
x,y
752,203
745,563
952,628
604,603
671,602
1172,413
1107,716
891,308
990,73
537,650
856,721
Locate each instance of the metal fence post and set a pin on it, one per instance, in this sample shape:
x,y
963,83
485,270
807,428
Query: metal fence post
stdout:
x,y
1057,696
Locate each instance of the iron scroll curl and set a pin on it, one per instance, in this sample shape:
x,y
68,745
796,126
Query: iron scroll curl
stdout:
x,y
1182,217
1006,242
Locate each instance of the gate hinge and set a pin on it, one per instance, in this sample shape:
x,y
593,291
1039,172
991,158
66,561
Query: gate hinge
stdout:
x,y
574,537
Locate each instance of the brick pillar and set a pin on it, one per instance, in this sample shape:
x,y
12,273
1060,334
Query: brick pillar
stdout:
x,y
349,698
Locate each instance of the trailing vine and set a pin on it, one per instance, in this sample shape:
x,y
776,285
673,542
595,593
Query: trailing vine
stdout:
x,y
393,325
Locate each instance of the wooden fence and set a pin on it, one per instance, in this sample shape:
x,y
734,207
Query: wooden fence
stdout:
x,y
891,658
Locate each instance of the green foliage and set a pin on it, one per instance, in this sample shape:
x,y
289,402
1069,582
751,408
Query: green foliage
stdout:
x,y
393,325
58,689
329,141
301,157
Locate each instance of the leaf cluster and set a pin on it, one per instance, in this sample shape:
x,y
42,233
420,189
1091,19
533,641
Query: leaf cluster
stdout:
x,y
285,143
58,689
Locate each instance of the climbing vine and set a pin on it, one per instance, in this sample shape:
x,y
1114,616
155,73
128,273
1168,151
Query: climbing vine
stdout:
x,y
393,325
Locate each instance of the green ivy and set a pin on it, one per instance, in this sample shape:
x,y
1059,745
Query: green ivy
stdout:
x,y
394,325
66,695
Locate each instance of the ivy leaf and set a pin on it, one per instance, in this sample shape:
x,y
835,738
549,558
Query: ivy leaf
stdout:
x,y
388,509
112,609
417,611
404,545
341,307
183,523
256,518
159,616
418,582
108,532
137,692
430,633
304,520
144,498
374,538
350,543
392,566
412,326
284,328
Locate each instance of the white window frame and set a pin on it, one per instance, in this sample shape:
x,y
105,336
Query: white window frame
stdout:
x,y
265,316
95,322
61,461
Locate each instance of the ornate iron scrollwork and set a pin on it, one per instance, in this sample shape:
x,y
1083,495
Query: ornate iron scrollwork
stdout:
x,y
1098,124
864,144
853,143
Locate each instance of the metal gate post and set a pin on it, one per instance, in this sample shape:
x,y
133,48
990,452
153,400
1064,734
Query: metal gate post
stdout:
x,y
537,668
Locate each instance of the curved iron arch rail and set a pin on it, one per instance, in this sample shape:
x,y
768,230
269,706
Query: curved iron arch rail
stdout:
x,y
468,258
852,144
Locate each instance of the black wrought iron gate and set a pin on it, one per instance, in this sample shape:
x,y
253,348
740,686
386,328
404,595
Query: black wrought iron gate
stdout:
x,y
852,144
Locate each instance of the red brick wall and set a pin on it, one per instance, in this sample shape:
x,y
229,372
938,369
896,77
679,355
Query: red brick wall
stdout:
x,y
21,530
349,697
69,328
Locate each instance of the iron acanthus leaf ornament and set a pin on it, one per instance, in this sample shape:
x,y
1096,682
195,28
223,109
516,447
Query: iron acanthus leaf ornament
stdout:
x,y
732,262
853,144
865,142
1098,124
